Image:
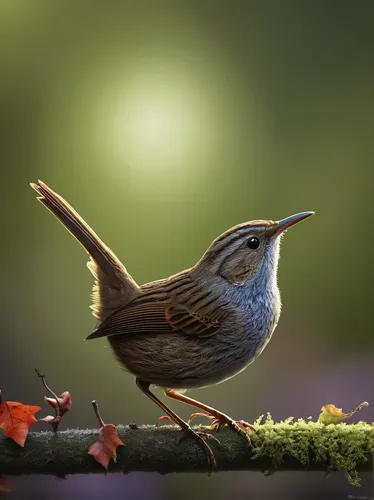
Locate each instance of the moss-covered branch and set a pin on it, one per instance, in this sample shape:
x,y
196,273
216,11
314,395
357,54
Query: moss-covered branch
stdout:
x,y
276,446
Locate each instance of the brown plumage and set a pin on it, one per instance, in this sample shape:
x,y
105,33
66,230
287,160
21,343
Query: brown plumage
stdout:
x,y
196,328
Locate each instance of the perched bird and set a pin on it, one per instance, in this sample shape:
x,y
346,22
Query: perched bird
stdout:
x,y
199,327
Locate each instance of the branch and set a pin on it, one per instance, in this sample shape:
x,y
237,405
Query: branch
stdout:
x,y
280,446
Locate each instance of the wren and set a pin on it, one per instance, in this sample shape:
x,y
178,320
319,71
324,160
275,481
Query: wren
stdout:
x,y
199,327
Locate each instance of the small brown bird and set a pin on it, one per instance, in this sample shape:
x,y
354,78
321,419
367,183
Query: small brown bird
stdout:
x,y
199,327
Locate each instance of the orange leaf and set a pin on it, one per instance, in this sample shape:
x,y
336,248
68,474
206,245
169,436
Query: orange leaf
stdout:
x,y
16,419
105,447
5,486
64,401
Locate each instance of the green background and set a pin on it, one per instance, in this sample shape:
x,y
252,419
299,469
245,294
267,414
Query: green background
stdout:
x,y
165,123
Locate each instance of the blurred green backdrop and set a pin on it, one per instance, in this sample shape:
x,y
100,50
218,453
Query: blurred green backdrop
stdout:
x,y
165,123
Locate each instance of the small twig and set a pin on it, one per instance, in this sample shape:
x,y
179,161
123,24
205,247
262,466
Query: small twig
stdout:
x,y
96,408
358,408
57,409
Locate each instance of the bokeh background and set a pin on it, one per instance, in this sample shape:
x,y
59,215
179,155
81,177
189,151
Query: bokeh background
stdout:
x,y
165,123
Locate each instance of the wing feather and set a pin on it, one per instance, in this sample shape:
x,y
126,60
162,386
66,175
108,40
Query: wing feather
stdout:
x,y
162,317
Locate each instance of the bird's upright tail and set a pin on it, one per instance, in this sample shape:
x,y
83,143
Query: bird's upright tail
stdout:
x,y
114,287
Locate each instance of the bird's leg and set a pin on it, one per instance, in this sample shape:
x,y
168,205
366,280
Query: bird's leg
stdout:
x,y
186,429
219,419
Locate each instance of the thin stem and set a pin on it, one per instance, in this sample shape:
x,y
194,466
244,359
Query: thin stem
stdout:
x,y
358,408
96,409
58,408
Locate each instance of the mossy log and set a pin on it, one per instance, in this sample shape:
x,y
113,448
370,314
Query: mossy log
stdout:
x,y
280,446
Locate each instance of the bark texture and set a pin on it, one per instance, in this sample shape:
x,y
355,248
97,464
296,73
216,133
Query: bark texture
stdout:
x,y
275,446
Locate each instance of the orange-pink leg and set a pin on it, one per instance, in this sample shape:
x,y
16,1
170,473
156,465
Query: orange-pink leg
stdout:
x,y
219,418
200,437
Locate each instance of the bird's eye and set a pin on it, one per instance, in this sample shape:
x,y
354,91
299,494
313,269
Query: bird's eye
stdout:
x,y
253,243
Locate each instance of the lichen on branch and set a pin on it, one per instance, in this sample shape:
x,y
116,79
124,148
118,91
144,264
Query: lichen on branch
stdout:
x,y
342,447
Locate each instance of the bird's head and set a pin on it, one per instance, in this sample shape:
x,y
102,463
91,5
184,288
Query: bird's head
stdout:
x,y
239,253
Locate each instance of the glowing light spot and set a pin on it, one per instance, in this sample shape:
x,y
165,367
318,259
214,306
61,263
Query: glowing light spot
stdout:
x,y
157,124
162,120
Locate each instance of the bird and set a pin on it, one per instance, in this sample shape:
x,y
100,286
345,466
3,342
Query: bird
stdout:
x,y
197,328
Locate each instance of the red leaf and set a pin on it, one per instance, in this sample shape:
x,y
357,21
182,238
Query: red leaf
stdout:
x,y
64,400
16,419
105,447
5,486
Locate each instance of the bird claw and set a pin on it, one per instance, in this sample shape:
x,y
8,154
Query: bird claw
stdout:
x,y
241,431
163,418
206,435
202,437
195,415
243,423
239,426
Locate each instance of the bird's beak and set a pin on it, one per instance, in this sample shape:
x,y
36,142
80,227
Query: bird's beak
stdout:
x,y
284,224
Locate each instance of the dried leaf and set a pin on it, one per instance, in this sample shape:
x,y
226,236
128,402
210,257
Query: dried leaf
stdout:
x,y
333,415
51,420
5,486
16,419
105,447
64,401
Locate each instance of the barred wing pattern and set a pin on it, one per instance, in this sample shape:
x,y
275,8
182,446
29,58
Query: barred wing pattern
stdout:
x,y
176,304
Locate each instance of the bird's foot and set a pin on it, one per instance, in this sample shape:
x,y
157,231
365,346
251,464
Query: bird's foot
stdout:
x,y
163,418
220,420
200,437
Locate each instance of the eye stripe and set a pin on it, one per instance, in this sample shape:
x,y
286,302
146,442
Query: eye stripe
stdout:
x,y
230,241
254,225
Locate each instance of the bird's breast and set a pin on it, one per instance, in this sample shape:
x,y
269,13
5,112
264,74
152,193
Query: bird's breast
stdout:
x,y
256,316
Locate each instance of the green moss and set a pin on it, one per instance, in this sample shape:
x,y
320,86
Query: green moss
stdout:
x,y
340,447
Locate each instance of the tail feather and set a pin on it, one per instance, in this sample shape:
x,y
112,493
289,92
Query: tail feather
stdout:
x,y
114,287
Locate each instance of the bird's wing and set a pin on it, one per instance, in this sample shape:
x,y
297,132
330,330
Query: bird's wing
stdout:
x,y
154,317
